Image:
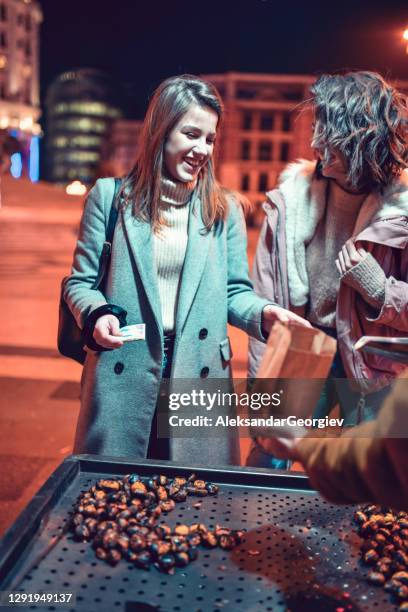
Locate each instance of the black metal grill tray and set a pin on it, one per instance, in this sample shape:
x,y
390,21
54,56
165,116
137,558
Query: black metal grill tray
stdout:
x,y
308,553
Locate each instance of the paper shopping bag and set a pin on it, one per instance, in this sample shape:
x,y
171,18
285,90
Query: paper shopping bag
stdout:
x,y
295,365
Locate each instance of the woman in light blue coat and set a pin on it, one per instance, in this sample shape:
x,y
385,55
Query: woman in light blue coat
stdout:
x,y
178,267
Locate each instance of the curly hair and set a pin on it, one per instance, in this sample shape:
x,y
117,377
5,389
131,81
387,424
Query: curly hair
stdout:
x,y
366,119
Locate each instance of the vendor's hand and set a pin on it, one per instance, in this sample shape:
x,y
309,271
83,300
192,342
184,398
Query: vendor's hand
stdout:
x,y
106,332
282,448
349,256
271,313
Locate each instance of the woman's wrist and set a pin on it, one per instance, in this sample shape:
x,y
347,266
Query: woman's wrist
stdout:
x,y
91,320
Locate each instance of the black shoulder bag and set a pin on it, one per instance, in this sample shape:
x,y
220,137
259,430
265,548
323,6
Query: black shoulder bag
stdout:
x,y
70,338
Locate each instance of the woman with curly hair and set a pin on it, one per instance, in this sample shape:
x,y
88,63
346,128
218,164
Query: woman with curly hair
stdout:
x,y
338,227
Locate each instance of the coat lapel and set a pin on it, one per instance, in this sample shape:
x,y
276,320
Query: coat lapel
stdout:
x,y
194,263
139,235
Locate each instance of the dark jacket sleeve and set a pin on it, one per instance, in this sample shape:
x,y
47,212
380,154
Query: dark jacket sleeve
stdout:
x,y
368,463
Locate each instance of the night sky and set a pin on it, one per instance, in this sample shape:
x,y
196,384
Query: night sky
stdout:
x,y
140,42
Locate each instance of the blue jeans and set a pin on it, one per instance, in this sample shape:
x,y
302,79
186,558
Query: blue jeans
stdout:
x,y
355,407
159,448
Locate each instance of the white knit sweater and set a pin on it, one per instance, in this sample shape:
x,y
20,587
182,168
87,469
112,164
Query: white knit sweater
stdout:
x,y
170,244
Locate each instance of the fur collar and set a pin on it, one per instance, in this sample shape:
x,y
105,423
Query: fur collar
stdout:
x,y
305,201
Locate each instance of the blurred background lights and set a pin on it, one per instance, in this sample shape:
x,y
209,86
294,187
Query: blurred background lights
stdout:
x,y
76,188
405,38
16,165
34,162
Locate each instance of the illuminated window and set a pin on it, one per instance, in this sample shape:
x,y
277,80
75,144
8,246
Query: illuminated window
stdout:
x,y
265,151
245,149
68,76
84,156
82,124
77,156
267,121
83,173
85,141
85,108
3,61
60,142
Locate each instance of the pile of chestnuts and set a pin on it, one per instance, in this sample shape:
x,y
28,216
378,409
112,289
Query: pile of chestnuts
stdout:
x,y
385,549
120,516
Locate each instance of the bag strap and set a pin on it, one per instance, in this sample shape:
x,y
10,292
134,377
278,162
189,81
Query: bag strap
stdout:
x,y
113,214
107,245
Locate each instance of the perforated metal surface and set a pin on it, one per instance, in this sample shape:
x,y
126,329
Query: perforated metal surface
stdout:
x,y
299,553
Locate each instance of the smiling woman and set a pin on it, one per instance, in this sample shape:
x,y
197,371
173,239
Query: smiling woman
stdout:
x,y
178,143
178,273
191,143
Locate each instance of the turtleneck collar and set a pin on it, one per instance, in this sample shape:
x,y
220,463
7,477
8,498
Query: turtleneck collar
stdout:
x,y
176,193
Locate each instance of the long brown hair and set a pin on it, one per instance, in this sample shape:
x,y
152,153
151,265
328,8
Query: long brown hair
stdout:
x,y
142,186
365,118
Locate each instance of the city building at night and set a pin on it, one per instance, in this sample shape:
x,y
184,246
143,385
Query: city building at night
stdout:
x,y
81,106
120,147
19,86
266,126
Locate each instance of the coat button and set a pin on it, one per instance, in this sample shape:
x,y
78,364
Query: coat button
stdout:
x,y
204,372
203,333
119,367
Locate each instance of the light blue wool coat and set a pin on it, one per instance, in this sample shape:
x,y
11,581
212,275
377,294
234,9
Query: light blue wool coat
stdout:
x,y
117,408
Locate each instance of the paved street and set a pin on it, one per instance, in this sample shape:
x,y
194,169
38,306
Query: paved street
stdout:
x,y
38,388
